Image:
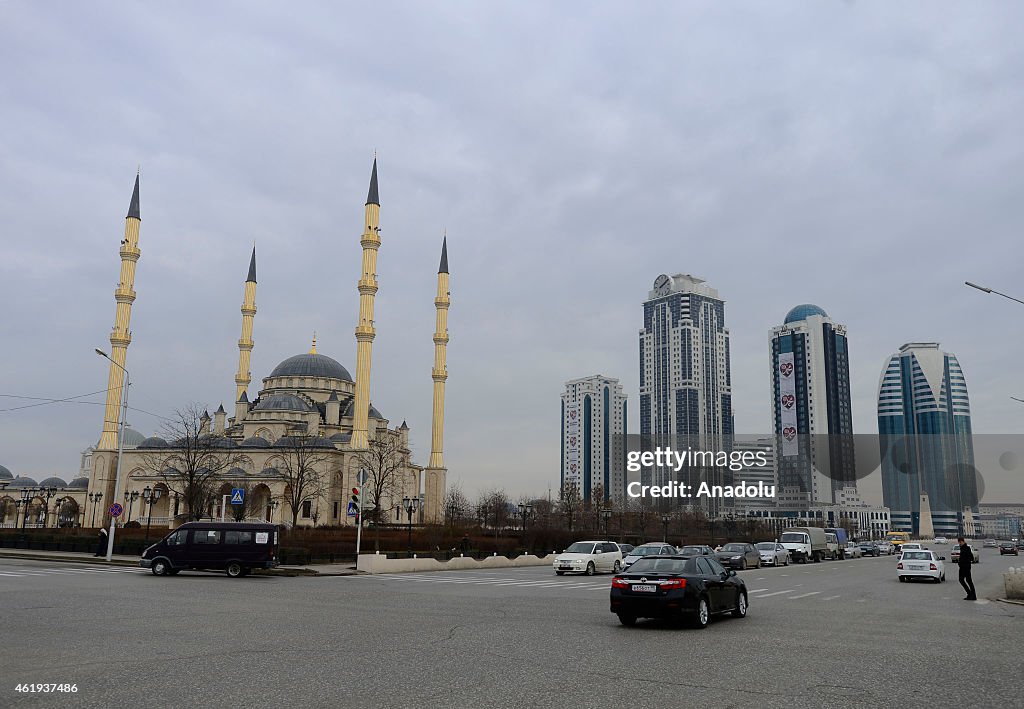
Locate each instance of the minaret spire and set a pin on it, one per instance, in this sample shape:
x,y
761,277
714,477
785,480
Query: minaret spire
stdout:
x,y
365,332
121,335
245,343
435,472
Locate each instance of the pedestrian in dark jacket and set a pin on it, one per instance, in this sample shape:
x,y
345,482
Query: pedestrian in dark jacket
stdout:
x,y
101,543
966,559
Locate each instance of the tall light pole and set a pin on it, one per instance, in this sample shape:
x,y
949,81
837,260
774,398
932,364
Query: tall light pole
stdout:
x,y
120,450
411,504
94,499
665,519
983,289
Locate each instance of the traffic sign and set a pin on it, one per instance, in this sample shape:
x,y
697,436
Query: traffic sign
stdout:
x,y
238,496
116,509
362,477
352,510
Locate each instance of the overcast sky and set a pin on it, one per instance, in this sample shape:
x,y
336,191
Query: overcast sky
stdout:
x,y
863,156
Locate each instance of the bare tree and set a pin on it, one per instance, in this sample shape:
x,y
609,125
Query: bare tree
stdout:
x,y
456,505
383,461
492,508
302,469
569,503
250,506
193,464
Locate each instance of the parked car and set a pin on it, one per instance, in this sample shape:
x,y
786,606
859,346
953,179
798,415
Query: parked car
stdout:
x,y
648,549
232,547
990,544
908,546
625,548
870,549
739,555
589,558
852,551
921,564
1008,548
697,550
955,556
941,540
677,587
773,554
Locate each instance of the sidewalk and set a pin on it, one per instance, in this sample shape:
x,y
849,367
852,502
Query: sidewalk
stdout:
x,y
126,560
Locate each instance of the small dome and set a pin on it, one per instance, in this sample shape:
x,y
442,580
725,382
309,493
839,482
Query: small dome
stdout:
x,y
374,414
283,402
79,484
341,437
53,482
5,474
22,481
218,441
132,438
804,311
270,473
152,442
235,473
255,442
311,365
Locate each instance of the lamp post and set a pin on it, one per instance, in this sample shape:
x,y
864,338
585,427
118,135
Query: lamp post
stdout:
x,y
525,512
150,496
94,500
26,497
983,289
411,504
120,448
47,493
665,519
606,515
130,498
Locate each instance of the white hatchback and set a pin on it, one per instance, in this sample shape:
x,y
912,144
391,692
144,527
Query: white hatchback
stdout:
x,y
589,558
921,563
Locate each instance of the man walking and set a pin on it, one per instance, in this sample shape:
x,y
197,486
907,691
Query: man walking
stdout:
x,y
966,559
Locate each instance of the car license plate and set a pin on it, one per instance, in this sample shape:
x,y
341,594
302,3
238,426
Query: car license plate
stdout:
x,y
565,566
644,588
916,567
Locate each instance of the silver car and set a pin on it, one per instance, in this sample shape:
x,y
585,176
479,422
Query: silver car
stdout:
x,y
773,554
648,549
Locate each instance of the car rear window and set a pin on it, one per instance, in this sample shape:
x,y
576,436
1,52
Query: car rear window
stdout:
x,y
664,566
918,555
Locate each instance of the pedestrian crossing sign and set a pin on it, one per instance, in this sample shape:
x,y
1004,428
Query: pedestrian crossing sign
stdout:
x,y
352,511
237,496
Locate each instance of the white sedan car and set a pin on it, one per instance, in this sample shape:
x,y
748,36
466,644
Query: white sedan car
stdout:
x,y
852,551
921,564
589,558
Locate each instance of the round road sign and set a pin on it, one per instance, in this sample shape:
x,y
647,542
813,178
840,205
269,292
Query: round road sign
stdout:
x,y
116,509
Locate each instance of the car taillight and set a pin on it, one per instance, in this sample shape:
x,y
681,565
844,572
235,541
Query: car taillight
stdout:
x,y
619,583
933,567
899,566
673,583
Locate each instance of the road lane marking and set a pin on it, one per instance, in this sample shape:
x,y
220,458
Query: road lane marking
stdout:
x,y
777,593
830,598
757,590
802,595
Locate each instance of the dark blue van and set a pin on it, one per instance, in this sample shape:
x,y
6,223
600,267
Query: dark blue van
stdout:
x,y
232,547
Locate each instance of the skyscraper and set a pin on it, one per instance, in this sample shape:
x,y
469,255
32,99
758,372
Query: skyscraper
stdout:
x,y
685,385
593,429
811,410
924,427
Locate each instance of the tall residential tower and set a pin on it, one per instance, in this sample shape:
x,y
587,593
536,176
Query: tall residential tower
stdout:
x,y
924,427
593,433
811,410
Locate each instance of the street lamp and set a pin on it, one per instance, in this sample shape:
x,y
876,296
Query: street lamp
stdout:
x,y
94,500
46,492
525,511
411,504
273,506
983,289
130,498
606,515
665,519
150,496
120,448
26,497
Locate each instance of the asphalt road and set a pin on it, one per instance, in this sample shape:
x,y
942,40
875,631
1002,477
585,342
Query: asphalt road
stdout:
x,y
842,634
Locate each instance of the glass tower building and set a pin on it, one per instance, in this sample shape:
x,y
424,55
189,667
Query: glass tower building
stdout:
x,y
924,427
593,432
810,364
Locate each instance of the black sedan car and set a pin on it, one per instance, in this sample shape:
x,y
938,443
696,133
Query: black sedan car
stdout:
x,y
678,588
869,549
1008,548
739,555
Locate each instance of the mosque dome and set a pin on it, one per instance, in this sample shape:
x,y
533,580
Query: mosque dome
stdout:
x,y
311,365
132,438
79,484
53,482
284,402
5,474
22,481
804,311
374,414
152,442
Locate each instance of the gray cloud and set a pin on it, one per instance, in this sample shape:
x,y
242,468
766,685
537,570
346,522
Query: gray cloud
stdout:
x,y
862,157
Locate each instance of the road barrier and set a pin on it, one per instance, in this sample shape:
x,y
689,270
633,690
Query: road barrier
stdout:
x,y
381,564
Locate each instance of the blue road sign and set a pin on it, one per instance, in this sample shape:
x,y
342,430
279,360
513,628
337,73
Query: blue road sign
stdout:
x,y
116,509
352,511
238,496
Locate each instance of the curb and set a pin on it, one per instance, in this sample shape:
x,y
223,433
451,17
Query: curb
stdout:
x,y
69,559
1007,600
